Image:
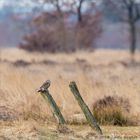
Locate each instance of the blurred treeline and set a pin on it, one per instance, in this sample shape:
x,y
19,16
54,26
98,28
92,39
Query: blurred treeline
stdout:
x,y
67,26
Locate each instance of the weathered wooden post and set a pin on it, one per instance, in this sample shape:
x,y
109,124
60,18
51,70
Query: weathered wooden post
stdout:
x,y
90,118
47,96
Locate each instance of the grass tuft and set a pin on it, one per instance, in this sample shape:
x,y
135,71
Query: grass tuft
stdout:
x,y
112,110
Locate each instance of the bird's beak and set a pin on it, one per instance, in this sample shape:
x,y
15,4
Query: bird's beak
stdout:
x,y
38,90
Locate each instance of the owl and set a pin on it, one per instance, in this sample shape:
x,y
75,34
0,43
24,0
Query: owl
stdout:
x,y
45,86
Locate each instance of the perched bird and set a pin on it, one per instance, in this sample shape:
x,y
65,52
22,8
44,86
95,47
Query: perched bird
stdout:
x,y
45,86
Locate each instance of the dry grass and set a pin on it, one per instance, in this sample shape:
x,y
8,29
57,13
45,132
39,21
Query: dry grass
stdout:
x,y
112,110
26,130
99,74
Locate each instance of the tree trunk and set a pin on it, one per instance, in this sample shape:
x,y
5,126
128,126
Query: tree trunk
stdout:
x,y
132,37
79,12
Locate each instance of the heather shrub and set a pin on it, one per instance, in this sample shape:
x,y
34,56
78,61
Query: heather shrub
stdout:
x,y
112,110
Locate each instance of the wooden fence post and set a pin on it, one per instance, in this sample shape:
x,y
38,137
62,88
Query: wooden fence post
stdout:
x,y
49,99
90,118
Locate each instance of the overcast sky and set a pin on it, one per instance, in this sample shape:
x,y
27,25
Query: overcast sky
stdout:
x,y
21,3
25,3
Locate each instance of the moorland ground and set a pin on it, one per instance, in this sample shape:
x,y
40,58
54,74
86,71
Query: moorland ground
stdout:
x,y
23,112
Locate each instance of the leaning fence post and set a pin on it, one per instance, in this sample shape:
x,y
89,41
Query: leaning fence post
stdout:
x,y
90,118
47,96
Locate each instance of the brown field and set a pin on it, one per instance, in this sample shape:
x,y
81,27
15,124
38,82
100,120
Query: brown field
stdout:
x,y
98,74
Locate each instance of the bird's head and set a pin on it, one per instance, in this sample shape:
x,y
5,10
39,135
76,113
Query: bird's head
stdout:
x,y
45,86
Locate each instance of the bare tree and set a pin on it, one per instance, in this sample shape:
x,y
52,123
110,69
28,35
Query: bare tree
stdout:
x,y
54,26
127,11
88,27
79,10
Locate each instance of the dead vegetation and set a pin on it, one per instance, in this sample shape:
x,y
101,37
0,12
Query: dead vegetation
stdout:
x,y
112,110
118,83
7,114
64,31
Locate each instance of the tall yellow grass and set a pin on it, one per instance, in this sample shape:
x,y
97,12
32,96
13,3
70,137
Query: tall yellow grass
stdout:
x,y
97,74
